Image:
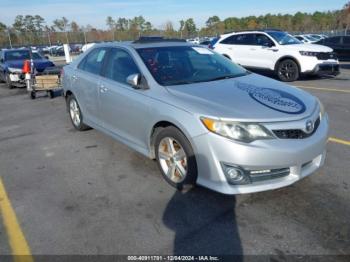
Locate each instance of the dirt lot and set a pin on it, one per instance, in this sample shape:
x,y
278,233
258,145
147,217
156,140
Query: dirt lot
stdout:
x,y
84,193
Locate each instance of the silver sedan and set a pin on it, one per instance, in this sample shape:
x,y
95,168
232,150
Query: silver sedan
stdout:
x,y
205,120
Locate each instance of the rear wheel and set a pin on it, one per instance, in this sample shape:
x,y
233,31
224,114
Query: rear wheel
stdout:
x,y
175,158
75,114
288,70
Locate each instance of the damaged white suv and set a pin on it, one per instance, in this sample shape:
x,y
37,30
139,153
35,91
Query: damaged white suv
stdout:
x,y
278,51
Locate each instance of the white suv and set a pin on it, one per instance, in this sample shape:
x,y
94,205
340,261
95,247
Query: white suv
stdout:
x,y
278,51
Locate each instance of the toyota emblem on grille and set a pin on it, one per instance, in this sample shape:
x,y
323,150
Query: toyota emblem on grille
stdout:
x,y
309,127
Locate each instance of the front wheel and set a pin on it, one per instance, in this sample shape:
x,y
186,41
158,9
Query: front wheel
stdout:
x,y
175,158
288,70
75,114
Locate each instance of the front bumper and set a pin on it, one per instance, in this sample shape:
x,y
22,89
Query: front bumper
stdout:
x,y
326,69
17,78
301,156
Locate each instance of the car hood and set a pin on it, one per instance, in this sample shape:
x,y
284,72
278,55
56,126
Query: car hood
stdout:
x,y
309,48
249,98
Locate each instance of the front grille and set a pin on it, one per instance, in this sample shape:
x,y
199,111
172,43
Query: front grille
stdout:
x,y
326,56
257,176
295,133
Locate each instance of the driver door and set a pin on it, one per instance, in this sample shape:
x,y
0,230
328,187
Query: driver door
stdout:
x,y
124,109
264,52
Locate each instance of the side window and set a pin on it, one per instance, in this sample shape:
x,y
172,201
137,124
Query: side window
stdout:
x,y
229,40
241,39
263,40
92,63
120,65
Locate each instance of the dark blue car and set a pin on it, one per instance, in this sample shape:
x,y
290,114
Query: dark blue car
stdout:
x,y
11,64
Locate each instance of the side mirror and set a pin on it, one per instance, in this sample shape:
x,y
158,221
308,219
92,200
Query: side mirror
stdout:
x,y
137,81
268,44
134,80
47,57
1,60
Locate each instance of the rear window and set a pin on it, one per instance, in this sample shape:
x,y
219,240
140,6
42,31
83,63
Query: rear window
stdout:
x,y
17,55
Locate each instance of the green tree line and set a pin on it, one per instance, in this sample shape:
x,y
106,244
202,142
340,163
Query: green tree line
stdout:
x,y
34,30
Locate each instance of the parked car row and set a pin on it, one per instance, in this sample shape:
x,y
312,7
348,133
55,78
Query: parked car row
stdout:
x,y
12,61
277,51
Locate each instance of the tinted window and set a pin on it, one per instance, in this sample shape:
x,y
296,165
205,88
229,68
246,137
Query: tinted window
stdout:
x,y
346,40
333,40
242,39
17,55
263,40
185,65
92,63
120,65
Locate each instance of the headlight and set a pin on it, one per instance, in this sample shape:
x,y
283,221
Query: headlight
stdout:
x,y
244,132
307,53
14,70
322,110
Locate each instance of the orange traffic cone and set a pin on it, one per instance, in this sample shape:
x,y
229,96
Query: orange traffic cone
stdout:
x,y
26,67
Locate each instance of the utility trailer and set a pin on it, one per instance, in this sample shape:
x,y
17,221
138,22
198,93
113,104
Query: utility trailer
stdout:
x,y
49,81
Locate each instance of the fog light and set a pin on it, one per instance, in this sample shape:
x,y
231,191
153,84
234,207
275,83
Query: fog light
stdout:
x,y
235,175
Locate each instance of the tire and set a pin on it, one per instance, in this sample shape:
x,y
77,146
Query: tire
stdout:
x,y
32,95
8,81
75,114
179,169
288,70
51,94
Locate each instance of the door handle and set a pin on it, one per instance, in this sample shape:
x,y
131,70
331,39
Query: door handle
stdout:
x,y
103,89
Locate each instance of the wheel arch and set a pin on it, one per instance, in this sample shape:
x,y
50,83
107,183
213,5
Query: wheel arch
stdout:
x,y
287,57
157,127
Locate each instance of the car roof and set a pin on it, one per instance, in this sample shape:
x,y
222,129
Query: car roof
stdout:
x,y
138,45
15,49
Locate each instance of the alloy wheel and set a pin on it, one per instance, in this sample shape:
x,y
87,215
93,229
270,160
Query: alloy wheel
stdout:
x,y
74,112
172,159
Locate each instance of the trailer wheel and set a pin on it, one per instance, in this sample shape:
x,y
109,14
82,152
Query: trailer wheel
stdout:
x,y
51,94
32,95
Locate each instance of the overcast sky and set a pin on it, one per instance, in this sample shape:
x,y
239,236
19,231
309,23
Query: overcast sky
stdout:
x,y
94,12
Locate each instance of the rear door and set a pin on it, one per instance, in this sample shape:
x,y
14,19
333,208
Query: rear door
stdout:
x,y
238,47
85,80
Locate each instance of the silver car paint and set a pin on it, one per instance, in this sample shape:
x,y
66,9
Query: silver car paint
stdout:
x,y
129,115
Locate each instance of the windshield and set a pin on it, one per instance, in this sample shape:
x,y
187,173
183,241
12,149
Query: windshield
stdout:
x,y
36,56
187,64
17,55
283,38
